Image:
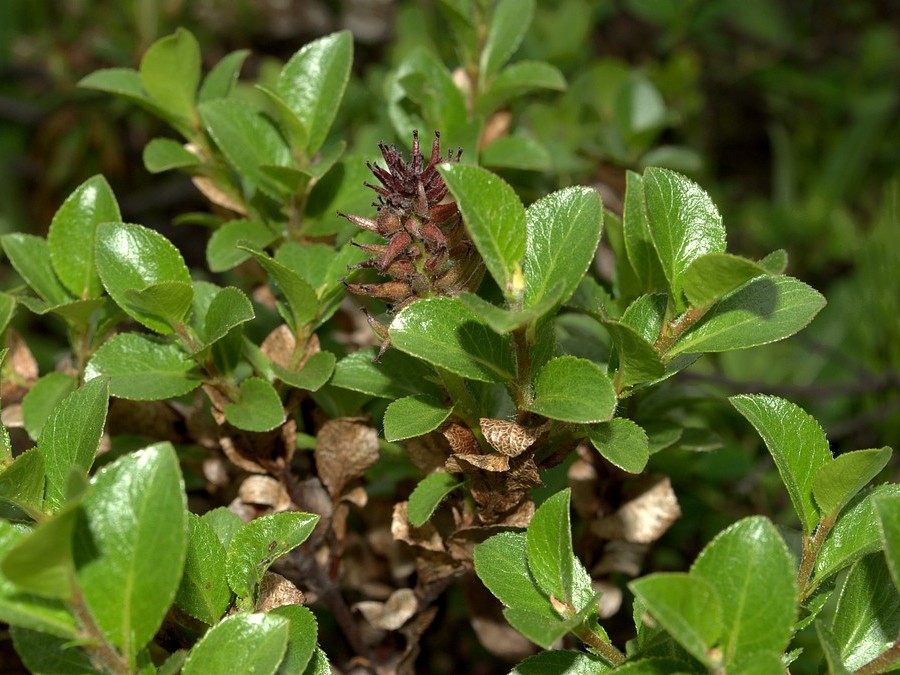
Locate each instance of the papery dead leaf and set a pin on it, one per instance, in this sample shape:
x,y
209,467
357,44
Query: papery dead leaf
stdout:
x,y
345,449
19,369
462,441
509,438
218,196
428,452
390,615
493,463
644,518
425,537
621,556
491,627
265,491
611,599
276,591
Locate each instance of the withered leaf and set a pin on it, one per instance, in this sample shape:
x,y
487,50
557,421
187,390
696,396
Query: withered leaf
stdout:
x,y
425,537
462,441
509,438
493,463
345,449
217,196
265,491
644,518
621,556
276,591
19,369
390,615
428,452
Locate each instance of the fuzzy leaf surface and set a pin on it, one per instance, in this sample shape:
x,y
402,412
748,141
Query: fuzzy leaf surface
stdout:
x,y
259,409
428,495
22,486
168,301
413,416
639,361
623,443
301,646
229,308
501,563
572,389
560,661
315,372
241,644
887,509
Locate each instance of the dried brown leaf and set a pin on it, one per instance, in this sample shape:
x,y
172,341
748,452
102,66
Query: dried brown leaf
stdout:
x,y
265,491
276,591
217,196
279,346
644,518
509,438
19,369
390,615
462,441
621,556
491,628
493,463
345,449
428,452
425,537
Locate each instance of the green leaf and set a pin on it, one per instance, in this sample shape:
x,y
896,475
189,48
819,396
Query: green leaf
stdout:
x,y
746,563
126,82
92,203
503,321
42,653
71,437
204,592
855,534
7,310
642,255
887,509
167,301
517,79
301,645
170,72
838,481
220,81
241,644
396,375
316,263
222,252
248,139
42,398
832,654
683,222
135,257
79,312
413,416
761,311
562,661
312,83
797,444
318,664
775,263
547,632
288,122
551,560
429,493
501,563
30,257
687,607
300,296
261,542
639,361
128,564
224,523
444,333
229,308
315,372
164,154
142,368
656,665
572,389
259,409
623,443
517,152
508,26
22,486
714,275
867,618
495,218
562,234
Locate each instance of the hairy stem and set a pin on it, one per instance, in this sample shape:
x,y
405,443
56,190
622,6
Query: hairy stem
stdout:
x,y
811,546
605,649
101,653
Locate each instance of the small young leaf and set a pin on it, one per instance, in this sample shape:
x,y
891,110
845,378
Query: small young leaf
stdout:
x,y
300,296
71,436
503,321
301,645
687,607
413,416
745,563
142,368
684,224
126,82
887,509
623,443
128,565
222,252
204,592
562,233
314,374
220,81
314,262
429,493
775,263
797,444
30,257
42,398
22,486
259,409
92,203
501,563
312,83
170,72
444,333
395,376
42,653
135,257
261,542
838,481
229,308
518,79
642,256
508,25
495,218
764,310
164,154
715,275
224,523
167,301
241,644
571,389
639,361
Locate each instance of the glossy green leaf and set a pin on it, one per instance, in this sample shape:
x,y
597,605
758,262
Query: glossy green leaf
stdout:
x,y
562,233
572,389
396,375
501,563
547,632
762,663
318,664
561,661
838,481
887,509
224,523
290,125
594,300
261,542
78,312
519,78
135,257
222,252
551,560
687,607
167,301
413,416
517,152
656,665
92,203
22,486
646,315
428,495
301,645
312,83
42,653
300,296
229,308
503,321
170,72
623,443
314,262
204,592
128,564
142,368
220,81
714,275
642,255
797,444
241,644
683,223
71,437
761,311
444,333
248,139
753,574
126,82
855,534
867,618
495,218
315,372
639,361
164,154
42,398
832,653
30,257
508,26
259,409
